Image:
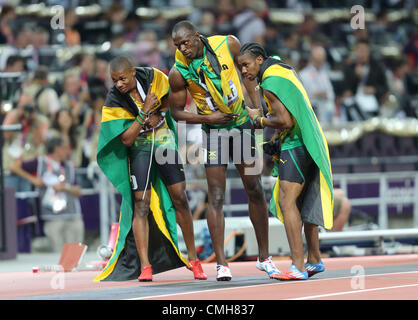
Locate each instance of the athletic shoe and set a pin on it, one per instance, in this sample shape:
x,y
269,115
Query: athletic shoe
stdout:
x,y
146,274
314,268
292,274
268,266
198,270
223,273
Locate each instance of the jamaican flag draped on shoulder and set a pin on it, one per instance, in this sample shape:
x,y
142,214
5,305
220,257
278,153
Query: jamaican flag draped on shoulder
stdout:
x,y
213,80
118,113
317,204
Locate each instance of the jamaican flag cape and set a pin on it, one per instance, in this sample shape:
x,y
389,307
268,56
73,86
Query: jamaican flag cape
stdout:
x,y
213,80
317,197
118,113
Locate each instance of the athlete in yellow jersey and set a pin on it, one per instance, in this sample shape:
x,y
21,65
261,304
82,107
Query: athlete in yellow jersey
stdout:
x,y
206,67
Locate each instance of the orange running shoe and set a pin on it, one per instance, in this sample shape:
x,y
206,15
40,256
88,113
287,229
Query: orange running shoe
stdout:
x,y
198,270
146,274
292,274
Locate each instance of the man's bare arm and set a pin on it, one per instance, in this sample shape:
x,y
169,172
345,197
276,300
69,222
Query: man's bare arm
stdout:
x,y
178,99
282,118
250,85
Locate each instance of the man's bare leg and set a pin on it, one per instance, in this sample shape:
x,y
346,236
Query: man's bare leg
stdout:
x,y
312,240
216,178
257,208
288,193
140,226
183,216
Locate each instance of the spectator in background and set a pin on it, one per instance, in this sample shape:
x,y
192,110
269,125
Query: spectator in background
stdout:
x,y
91,128
44,95
309,27
316,81
398,99
102,72
58,191
23,39
116,15
26,143
168,54
131,27
291,47
87,67
72,36
15,63
206,25
74,96
271,39
365,85
40,39
249,24
146,51
341,210
63,126
224,15
411,48
7,16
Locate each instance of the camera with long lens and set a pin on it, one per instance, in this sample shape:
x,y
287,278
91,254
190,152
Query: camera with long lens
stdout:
x,y
273,147
28,110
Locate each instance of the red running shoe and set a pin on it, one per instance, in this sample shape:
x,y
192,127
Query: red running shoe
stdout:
x,y
292,274
146,274
198,270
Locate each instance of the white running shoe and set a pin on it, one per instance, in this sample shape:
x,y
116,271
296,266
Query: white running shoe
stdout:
x,y
224,274
267,266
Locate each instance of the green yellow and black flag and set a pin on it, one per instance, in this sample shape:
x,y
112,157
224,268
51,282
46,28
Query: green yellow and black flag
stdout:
x,y
317,204
118,113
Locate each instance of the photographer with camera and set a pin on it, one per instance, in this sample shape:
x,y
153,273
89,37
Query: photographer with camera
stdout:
x,y
25,144
58,192
45,97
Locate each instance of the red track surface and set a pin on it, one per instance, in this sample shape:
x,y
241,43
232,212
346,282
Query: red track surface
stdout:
x,y
387,285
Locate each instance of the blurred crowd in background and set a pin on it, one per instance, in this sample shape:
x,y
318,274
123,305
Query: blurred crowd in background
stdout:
x,y
350,73
54,78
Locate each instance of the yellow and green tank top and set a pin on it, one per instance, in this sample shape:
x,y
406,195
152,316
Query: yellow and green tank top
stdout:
x,y
210,91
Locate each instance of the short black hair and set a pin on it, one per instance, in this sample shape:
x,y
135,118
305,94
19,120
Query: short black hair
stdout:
x,y
254,49
184,24
363,41
121,63
41,73
52,143
13,59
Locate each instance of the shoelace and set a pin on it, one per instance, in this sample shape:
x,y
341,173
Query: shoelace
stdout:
x,y
270,265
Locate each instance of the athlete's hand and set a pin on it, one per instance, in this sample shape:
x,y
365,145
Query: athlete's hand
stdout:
x,y
154,119
253,112
219,117
151,101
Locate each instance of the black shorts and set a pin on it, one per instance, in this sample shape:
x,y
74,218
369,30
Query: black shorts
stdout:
x,y
295,164
140,171
224,145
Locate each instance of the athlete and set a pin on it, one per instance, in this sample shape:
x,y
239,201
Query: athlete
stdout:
x,y
135,125
303,193
206,68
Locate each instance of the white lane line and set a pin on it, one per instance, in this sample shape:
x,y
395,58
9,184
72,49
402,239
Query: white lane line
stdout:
x,y
275,282
354,291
